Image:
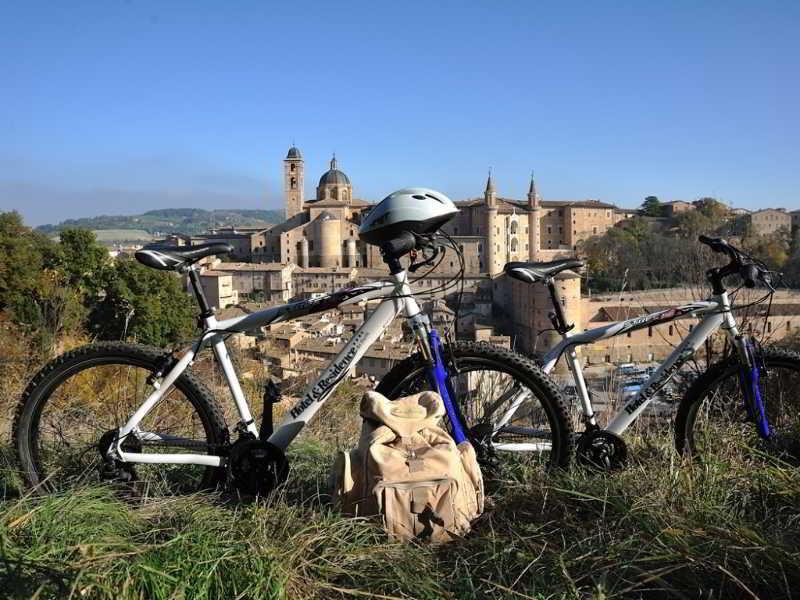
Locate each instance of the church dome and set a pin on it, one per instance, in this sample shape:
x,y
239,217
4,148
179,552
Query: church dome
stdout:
x,y
294,152
334,176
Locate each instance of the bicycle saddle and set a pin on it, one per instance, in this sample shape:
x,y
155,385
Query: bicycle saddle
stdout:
x,y
531,272
175,258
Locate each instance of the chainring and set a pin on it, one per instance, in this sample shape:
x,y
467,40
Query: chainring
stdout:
x,y
602,450
256,467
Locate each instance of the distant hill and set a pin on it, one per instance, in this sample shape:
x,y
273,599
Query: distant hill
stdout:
x,y
188,221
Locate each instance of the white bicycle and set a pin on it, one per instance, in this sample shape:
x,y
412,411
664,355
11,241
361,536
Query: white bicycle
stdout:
x,y
121,411
747,403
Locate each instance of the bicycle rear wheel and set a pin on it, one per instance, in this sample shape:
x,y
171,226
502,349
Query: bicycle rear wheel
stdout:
x,y
713,419
73,406
489,381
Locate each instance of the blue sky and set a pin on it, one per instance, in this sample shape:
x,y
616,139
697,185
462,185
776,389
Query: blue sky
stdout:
x,y
117,107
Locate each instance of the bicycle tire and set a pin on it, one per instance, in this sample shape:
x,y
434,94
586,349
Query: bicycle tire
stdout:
x,y
58,371
399,381
710,387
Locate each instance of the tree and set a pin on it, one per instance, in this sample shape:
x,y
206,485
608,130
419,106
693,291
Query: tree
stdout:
x,y
21,260
652,207
81,258
152,303
712,208
37,295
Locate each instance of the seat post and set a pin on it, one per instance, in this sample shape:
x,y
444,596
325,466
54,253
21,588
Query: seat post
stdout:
x,y
205,310
557,317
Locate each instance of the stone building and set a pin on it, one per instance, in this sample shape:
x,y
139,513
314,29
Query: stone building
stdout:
x,y
768,221
218,289
494,230
676,207
322,231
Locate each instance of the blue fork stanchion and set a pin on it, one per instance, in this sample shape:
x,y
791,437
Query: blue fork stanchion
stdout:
x,y
437,377
750,379
763,425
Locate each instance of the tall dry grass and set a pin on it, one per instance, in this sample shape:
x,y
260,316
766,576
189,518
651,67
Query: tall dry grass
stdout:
x,y
661,528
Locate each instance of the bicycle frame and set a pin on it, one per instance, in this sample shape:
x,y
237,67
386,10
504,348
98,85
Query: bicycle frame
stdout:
x,y
715,313
397,298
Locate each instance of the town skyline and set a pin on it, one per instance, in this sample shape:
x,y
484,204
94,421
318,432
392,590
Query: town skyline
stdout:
x,y
506,189
123,107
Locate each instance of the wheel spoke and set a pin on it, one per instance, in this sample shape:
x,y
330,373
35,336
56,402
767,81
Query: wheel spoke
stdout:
x,y
95,396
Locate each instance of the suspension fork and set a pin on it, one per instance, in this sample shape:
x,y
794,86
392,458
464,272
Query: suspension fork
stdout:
x,y
430,345
750,373
751,368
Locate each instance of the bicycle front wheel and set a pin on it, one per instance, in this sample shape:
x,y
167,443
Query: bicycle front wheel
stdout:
x,y
713,419
76,403
507,404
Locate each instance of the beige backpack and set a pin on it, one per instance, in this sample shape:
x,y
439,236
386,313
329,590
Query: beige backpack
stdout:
x,y
407,469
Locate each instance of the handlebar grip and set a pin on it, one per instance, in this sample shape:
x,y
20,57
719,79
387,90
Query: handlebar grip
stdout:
x,y
399,246
716,244
750,274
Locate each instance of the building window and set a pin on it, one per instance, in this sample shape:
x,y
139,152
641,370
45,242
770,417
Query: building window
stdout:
x,y
670,330
291,167
594,230
649,332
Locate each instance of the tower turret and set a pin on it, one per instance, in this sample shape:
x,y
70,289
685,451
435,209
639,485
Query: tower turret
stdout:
x,y
489,194
493,265
293,168
534,222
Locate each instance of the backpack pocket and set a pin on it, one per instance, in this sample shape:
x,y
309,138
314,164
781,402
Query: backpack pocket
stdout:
x,y
346,482
420,509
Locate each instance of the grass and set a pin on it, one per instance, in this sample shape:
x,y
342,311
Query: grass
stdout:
x,y
660,528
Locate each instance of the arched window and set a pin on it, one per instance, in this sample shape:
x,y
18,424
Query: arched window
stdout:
x,y
291,167
333,193
293,184
514,245
513,228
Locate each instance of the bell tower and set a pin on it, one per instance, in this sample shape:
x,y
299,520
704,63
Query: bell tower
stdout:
x,y
293,167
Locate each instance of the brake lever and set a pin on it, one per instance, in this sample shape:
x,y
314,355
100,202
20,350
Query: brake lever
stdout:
x,y
415,266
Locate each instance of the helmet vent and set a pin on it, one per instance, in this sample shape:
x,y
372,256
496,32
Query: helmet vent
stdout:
x,y
418,197
434,198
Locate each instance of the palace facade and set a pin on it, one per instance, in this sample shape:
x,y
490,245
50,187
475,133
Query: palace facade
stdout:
x,y
322,231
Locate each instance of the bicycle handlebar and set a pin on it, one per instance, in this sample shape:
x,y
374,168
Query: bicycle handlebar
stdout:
x,y
748,268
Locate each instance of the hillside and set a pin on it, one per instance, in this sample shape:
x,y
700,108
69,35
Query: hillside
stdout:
x,y
188,221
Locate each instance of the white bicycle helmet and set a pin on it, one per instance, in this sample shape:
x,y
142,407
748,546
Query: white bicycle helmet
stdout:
x,y
415,210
